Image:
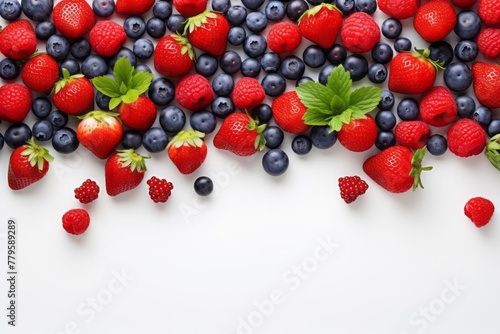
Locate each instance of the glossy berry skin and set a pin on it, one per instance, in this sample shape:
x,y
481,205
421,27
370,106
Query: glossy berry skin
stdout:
x,y
230,62
76,221
161,91
466,138
399,9
283,37
176,23
18,40
325,72
194,92
10,10
40,73
44,30
134,26
222,106
162,9
466,50
203,186
41,106
314,56
292,67
143,48
248,93
239,134
408,109
357,66
159,189
103,8
187,151
203,121
270,62
386,100
468,24
351,187
222,84
275,162
107,37
441,52
206,65
221,6
301,144
479,210
123,171
42,130
438,107
288,111
17,134
262,113
133,7
274,136
322,138
250,67
295,9
72,65
494,127
256,22
359,134
16,102
274,84
74,96
254,45
131,139
173,56
57,118
211,35
275,10
252,4
382,53
485,79
155,140
412,134
190,8
9,69
465,106
336,54
437,145
37,10
236,36
391,28
321,25
87,192
360,32
236,15
458,77
346,7
138,115
57,47
367,6
73,18
384,140
483,116
377,73
488,12
488,42
402,44
411,74
385,120
65,140
80,49
434,20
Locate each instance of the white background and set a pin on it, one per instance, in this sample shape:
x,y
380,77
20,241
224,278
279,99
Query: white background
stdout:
x,y
204,265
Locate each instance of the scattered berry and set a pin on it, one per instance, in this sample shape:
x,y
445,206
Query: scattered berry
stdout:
x,y
351,187
159,189
76,221
87,192
479,210
203,186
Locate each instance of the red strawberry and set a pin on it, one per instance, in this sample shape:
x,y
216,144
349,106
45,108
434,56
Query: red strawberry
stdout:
x,y
187,150
208,32
288,111
248,93
100,132
240,134
321,24
360,32
107,37
76,221
133,7
438,107
16,102
479,210
351,187
188,8
488,42
412,134
40,73
486,81
466,138
173,56
73,18
73,95
359,134
123,171
283,37
138,115
399,9
464,3
434,20
489,12
18,40
28,164
396,169
194,92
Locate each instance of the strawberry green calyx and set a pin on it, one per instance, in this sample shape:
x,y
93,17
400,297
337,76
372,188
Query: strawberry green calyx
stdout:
x,y
99,115
37,155
314,10
190,137
492,151
425,53
417,168
65,79
186,46
198,20
129,158
260,140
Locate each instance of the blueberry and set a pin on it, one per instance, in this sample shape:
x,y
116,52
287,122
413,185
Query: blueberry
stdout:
x,y
143,48
155,140
2,141
134,27
357,65
57,47
222,106
123,52
80,49
156,27
385,120
483,116
274,136
236,15
322,138
94,66
103,8
131,139
41,106
366,6
302,80
466,50
172,119
275,10
270,62
256,22
17,134
392,28
250,67
402,44
254,45
408,109
295,9
468,24
301,144
252,4
314,2
221,6
441,52
57,118
236,36
42,130
437,145
9,69
65,141
325,73
161,91
493,128
142,68
10,10
377,73
203,186
162,9
337,54
223,84
465,106
347,7
292,67
274,84
230,62
263,113
102,100
275,162
384,140
45,29
382,53
458,77
314,56
386,100
176,23
37,10
203,121
72,65
206,65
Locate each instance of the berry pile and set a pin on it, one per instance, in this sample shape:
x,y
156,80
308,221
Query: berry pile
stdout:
x,y
92,69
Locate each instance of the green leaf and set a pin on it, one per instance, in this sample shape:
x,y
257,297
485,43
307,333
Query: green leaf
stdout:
x,y
315,117
123,72
123,89
337,105
141,81
335,124
107,86
114,102
340,83
131,96
366,98
314,95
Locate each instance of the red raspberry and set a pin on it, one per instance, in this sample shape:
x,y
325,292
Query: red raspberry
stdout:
x,y
107,37
16,102
87,192
479,210
438,107
159,189
412,134
399,9
489,12
351,187
463,3
283,37
488,42
466,138
194,92
360,32
76,221
248,93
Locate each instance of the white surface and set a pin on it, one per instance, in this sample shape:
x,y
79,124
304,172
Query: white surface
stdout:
x,y
201,265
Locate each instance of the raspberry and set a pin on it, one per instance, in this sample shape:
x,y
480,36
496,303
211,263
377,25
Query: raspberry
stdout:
x,y
399,9
87,192
283,37
76,221
412,134
463,3
360,32
248,93
479,210
351,187
107,37
438,107
489,12
194,92
488,42
159,189
466,138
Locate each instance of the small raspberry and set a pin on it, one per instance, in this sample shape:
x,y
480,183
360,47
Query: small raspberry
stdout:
x,y
351,187
283,37
87,192
194,92
488,11
479,210
76,221
438,107
488,42
248,93
107,37
412,134
360,32
159,189
399,9
466,138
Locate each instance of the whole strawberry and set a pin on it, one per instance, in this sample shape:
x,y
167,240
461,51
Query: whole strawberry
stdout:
x,y
288,112
194,92
123,171
189,8
359,134
73,18
208,32
399,9
486,82
40,73
173,56
138,115
434,20
321,24
107,37
351,187
28,164
488,42
466,138
412,134
73,94
248,93
16,102
18,40
187,150
100,132
283,37
489,12
438,107
360,32
479,210
133,7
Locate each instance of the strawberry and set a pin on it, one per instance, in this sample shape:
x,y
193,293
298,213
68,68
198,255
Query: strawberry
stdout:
x,y
138,115
73,18
488,42
73,94
208,32
464,3
189,8
288,112
486,83
399,9
28,164
434,20
16,102
466,138
412,134
173,56
360,32
76,221
479,210
133,7
18,40
240,134
107,37
351,187
187,150
248,93
396,169
283,37
359,134
100,132
489,12
194,92
321,24
438,107
40,73
123,171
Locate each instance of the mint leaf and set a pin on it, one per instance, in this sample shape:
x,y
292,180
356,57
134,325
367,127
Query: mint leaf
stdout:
x,y
114,102
314,95
340,83
107,86
123,89
337,105
141,81
366,98
123,72
131,96
335,124
315,117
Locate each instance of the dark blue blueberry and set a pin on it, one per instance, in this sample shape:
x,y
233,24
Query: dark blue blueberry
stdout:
x,y
483,116
131,139
275,10
322,138
230,62
221,6
172,119
176,23
301,144
9,69
314,56
275,162
161,91
274,136
142,68
17,134
385,120
254,45
155,140
325,73
57,47
465,106
65,141
357,65
162,9
103,8
94,66
386,100
236,36
10,10
292,67
123,52
302,80
366,6
44,30
384,140
102,100
143,48
156,27
236,15
252,4
203,186
263,113
392,28
408,109
494,127
80,49
41,106
466,50
347,7
222,106
2,141
377,73
250,67
37,10
256,22
134,26
274,84
458,77
295,9
337,54
468,24
437,144
441,52
203,121
314,2
270,62
42,130
206,65
382,53
402,44
223,84
57,118
72,65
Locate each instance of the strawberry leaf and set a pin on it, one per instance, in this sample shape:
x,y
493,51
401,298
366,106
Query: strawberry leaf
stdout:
x,y
315,117
314,95
337,105
366,98
107,86
141,81
123,72
340,83
123,88
114,102
131,96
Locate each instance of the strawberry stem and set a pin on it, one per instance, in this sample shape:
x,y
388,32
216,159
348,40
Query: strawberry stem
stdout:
x,y
417,169
37,155
190,137
129,158
425,53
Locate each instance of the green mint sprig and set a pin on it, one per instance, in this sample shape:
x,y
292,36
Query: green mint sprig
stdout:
x,y
335,104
